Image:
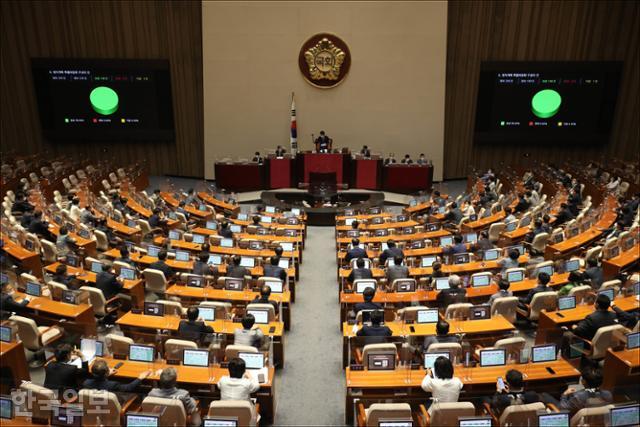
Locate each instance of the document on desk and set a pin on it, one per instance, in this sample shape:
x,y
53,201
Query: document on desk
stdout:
x,y
256,372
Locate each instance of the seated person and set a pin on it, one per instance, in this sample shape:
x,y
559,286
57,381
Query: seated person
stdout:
x,y
503,285
356,251
594,274
125,257
60,374
194,327
239,385
257,158
272,269
601,317
458,246
365,152
397,270
575,279
368,303
436,271
192,197
64,242
590,396
454,215
437,199
441,383
265,293
483,243
376,332
509,216
541,286
390,160
99,381
161,265
167,389
512,394
225,230
510,261
21,204
200,267
280,152
62,275
236,270
407,160
39,226
442,336
422,160
391,252
7,303
455,294
157,219
360,272
108,283
248,335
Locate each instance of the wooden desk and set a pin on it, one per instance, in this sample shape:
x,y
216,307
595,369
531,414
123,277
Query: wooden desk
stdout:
x,y
88,245
29,261
366,227
395,237
141,322
48,312
482,223
613,266
621,369
404,384
129,233
208,198
200,377
191,210
245,297
364,216
196,247
12,356
135,288
550,322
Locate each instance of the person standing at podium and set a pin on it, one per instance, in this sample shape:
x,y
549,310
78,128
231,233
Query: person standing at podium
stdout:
x,y
280,151
323,143
365,152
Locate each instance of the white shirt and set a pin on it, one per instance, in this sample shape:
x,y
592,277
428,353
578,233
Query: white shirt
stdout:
x,y
442,390
238,388
75,212
469,210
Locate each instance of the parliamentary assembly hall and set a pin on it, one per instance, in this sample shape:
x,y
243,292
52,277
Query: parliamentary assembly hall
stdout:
x,y
320,213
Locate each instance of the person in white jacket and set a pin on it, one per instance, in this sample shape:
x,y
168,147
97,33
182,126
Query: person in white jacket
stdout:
x,y
239,384
444,387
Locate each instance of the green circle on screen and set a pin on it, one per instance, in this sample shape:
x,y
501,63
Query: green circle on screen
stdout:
x,y
546,103
104,100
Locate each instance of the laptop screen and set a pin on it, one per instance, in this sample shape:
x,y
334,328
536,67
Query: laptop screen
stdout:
x,y
5,333
442,283
266,219
471,237
480,312
491,254
446,241
275,285
192,357
208,314
235,228
555,419
427,316
182,256
243,216
567,302
572,265
252,360
283,263
141,353
73,260
270,209
195,281
226,243
127,273
545,269
261,316
608,292
543,353
286,246
174,235
211,225
96,267
220,422
633,340
625,416
427,261
492,357
430,358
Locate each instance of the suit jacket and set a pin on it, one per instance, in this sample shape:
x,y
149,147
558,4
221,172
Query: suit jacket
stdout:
x,y
226,232
367,306
359,273
436,339
451,296
454,215
9,304
281,152
201,268
374,334
39,227
356,253
532,292
237,271
62,376
260,300
275,271
390,253
162,266
194,330
108,284
397,272
588,327
596,276
108,385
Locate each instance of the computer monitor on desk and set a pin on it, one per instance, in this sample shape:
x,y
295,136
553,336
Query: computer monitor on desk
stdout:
x,y
191,357
212,225
182,256
206,313
572,265
34,289
138,419
625,416
233,284
252,360
608,292
220,422
67,415
543,353
153,251
286,246
427,261
633,340
553,419
429,359
141,353
6,333
226,243
174,235
491,254
215,259
381,362
442,283
474,422
199,238
427,316
481,280
493,357
395,422
567,302
261,316
361,285
6,407
127,273
515,276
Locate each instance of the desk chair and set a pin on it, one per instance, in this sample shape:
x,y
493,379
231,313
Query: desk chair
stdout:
x,y
102,408
172,308
173,413
541,301
41,400
173,348
367,263
518,415
264,307
371,416
512,346
56,289
606,337
155,282
223,310
102,242
410,313
447,413
246,413
268,280
611,284
35,338
495,230
26,277
146,229
532,270
593,253
598,416
362,355
118,345
581,293
104,310
49,251
220,283
454,349
398,282
458,311
231,351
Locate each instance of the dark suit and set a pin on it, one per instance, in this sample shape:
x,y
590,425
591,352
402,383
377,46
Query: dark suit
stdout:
x,y
274,271
62,279
155,221
563,216
588,327
108,385
356,253
108,284
595,275
261,300
237,271
201,268
454,215
39,227
9,304
62,376
451,296
162,266
127,261
367,306
226,232
194,329
522,206
374,334
281,152
359,273
390,253
532,292
436,339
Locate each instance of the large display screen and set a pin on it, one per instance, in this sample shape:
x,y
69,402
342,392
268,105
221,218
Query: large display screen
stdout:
x,y
104,99
546,102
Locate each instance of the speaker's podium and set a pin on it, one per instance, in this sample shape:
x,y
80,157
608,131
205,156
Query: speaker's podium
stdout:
x,y
323,163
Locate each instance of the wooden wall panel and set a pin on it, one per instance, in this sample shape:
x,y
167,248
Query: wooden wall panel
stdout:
x,y
536,31
105,29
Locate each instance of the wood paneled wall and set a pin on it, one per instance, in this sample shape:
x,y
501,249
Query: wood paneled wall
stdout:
x,y
536,31
105,29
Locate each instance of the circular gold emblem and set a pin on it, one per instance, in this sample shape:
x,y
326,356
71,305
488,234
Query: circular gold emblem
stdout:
x,y
324,60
